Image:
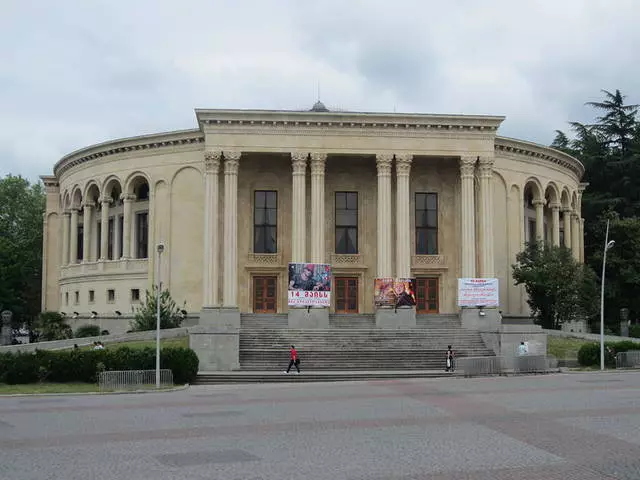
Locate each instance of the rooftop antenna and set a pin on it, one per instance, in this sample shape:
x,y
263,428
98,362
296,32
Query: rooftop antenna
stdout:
x,y
318,91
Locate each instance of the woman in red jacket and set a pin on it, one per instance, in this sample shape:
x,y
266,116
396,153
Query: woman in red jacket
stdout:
x,y
294,360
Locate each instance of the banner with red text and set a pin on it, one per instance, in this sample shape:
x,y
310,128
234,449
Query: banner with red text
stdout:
x,y
309,284
478,292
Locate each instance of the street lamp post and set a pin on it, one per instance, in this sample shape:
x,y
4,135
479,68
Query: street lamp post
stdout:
x,y
160,249
607,245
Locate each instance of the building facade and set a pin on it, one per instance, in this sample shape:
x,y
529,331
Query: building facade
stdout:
x,y
435,197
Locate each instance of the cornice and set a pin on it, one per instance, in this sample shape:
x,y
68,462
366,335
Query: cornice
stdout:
x,y
533,150
141,143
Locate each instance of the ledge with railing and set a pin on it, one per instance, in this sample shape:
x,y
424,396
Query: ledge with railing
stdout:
x,y
124,265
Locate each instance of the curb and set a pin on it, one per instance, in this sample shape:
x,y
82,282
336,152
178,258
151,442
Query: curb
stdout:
x,y
71,394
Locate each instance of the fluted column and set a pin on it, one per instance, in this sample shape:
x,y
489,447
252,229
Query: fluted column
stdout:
x,y
66,224
73,234
403,218
566,217
104,229
582,240
298,210
86,231
575,236
555,224
211,255
539,204
485,175
318,161
230,285
383,163
467,168
127,199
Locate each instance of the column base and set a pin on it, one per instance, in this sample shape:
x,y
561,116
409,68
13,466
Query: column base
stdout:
x,y
216,339
308,318
395,318
481,319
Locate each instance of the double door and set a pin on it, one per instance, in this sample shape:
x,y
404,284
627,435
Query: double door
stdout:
x,y
265,294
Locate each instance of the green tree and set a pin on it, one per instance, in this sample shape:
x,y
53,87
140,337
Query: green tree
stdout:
x,y
559,288
52,326
171,315
22,206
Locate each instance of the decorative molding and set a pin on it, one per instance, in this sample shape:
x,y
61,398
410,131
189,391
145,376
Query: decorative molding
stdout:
x,y
127,197
231,162
383,163
267,259
485,167
318,161
339,259
105,267
299,162
106,201
403,164
430,263
88,204
468,165
212,161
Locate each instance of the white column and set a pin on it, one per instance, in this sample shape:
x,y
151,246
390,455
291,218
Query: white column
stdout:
x,y
298,213
117,254
467,168
230,285
211,256
127,225
318,161
73,234
104,229
66,224
555,224
575,236
582,240
566,217
539,204
86,231
485,171
383,163
403,218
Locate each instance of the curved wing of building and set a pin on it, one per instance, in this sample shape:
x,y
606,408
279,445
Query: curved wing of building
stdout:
x,y
373,195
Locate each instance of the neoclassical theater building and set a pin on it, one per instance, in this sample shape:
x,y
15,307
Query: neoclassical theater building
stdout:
x,y
435,197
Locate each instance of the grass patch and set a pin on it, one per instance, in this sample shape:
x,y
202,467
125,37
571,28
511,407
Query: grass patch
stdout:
x,y
563,347
48,388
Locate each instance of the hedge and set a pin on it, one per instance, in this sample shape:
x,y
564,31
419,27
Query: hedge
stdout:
x,y
589,353
87,331
83,365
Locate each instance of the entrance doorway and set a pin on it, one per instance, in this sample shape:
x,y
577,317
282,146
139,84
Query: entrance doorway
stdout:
x,y
427,298
346,294
265,294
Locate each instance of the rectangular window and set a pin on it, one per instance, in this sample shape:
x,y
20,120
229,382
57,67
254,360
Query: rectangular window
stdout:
x,y
265,222
346,222
532,230
110,239
426,210
99,239
77,297
142,234
66,298
92,296
120,234
135,294
111,295
80,243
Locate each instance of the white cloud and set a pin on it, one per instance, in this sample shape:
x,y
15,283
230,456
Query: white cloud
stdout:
x,y
76,73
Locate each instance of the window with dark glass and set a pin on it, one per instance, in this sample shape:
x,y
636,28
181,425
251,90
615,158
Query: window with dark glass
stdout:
x,y
346,222
80,243
426,223
99,239
120,234
265,222
142,234
110,240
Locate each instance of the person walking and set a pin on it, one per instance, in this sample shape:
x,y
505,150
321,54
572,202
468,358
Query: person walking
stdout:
x,y
293,360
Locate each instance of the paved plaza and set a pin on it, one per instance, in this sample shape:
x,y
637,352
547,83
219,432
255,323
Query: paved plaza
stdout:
x,y
565,426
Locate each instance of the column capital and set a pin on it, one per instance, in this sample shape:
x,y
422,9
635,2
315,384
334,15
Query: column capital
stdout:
x,y
66,212
540,202
468,165
106,201
231,163
403,164
567,210
299,162
383,163
127,197
485,166
582,187
230,155
88,205
318,161
555,206
212,161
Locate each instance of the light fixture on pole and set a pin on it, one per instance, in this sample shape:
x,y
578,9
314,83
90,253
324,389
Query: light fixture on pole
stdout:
x,y
160,249
607,245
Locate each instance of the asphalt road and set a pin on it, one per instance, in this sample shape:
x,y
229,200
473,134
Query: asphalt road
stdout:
x,y
566,426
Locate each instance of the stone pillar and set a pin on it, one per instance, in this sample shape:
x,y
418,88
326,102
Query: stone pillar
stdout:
x,y
127,225
318,219
566,217
230,286
582,240
298,210
485,171
117,254
403,218
211,254
467,168
86,231
66,224
383,163
73,233
575,236
555,224
539,204
104,229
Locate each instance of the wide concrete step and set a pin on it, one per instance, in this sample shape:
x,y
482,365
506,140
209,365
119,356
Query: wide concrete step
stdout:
x,y
269,376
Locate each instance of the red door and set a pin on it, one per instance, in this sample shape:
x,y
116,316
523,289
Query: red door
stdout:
x,y
346,294
264,294
427,295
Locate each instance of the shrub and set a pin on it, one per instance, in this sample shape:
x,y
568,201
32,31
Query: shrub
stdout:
x,y
52,326
171,315
634,331
87,331
589,353
83,365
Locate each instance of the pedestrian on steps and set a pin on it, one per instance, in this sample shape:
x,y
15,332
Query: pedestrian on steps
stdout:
x,y
451,360
293,360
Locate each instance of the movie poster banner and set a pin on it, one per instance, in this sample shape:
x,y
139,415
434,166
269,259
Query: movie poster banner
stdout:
x,y
394,292
309,284
478,292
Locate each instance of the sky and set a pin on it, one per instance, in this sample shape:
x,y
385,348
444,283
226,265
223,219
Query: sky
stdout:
x,y
78,72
